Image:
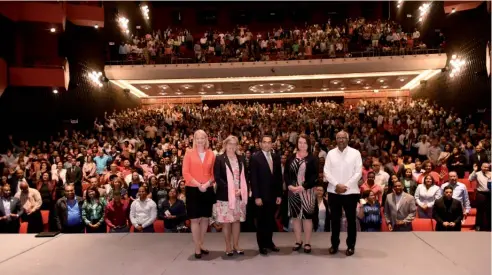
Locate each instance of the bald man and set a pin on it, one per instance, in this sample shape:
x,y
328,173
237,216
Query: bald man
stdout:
x,y
31,202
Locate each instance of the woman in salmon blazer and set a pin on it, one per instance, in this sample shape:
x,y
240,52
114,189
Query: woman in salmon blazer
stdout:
x,y
198,172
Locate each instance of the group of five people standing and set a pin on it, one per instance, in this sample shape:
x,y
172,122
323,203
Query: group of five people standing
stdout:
x,y
201,169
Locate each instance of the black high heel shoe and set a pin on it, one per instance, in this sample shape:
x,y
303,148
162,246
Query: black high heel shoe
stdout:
x,y
238,252
204,251
297,247
198,256
229,254
307,248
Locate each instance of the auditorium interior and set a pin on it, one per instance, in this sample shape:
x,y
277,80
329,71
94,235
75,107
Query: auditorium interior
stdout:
x,y
117,89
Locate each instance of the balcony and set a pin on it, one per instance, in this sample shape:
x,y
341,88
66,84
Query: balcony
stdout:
x,y
85,15
40,75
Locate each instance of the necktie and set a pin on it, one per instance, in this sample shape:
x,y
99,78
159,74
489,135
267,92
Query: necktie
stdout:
x,y
270,162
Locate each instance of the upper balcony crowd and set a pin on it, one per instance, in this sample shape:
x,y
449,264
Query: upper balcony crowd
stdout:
x,y
355,38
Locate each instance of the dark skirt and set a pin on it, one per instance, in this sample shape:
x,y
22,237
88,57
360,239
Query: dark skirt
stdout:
x,y
198,204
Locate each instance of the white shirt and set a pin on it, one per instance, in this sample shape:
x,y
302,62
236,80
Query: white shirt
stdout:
x,y
382,178
398,200
427,196
343,168
143,213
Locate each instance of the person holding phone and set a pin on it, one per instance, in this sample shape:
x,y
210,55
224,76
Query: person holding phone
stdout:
x,y
173,212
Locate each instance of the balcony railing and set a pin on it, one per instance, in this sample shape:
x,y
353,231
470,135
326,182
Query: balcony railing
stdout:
x,y
176,59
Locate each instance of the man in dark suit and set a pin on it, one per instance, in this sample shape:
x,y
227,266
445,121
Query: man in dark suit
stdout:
x,y
74,175
266,186
393,168
17,179
479,157
448,212
10,211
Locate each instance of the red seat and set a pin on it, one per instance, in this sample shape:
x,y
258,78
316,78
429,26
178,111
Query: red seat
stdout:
x,y
422,225
23,228
85,186
469,222
473,212
434,223
384,225
159,226
45,214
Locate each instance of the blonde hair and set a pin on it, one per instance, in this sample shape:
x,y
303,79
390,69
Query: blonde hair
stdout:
x,y
226,141
200,132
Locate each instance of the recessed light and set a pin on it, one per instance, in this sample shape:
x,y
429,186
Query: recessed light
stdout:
x,y
220,92
179,93
335,82
55,91
376,91
146,87
384,86
342,88
325,89
208,86
358,81
52,30
261,85
402,79
162,93
381,80
282,84
271,84
367,87
202,93
96,26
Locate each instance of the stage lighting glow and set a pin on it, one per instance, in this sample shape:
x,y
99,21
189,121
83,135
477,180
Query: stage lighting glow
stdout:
x,y
123,22
456,65
96,78
453,10
96,26
145,11
424,9
52,30
55,91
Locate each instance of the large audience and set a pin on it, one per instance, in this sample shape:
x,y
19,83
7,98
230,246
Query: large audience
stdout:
x,y
328,40
129,166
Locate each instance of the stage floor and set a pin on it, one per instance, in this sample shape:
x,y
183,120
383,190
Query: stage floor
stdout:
x,y
413,253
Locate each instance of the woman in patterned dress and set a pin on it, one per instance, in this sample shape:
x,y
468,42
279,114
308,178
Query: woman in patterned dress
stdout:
x,y
300,175
231,193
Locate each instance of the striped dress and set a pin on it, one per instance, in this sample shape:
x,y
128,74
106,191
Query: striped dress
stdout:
x,y
301,205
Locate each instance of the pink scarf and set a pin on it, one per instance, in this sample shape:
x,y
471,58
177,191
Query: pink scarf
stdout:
x,y
232,190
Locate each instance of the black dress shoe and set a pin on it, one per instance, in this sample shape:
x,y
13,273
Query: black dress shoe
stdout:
x,y
274,249
204,251
263,251
349,252
333,250
198,256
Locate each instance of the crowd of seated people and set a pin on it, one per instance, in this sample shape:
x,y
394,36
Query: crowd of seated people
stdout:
x,y
314,41
126,172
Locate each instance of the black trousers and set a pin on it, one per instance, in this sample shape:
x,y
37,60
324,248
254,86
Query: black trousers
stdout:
x,y
74,229
483,211
265,224
11,227
34,222
349,204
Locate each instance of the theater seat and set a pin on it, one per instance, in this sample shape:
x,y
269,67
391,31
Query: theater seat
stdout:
x,y
469,222
45,214
159,226
422,225
473,212
434,223
23,228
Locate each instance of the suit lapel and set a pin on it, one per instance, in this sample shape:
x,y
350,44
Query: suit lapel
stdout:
x,y
1,206
228,163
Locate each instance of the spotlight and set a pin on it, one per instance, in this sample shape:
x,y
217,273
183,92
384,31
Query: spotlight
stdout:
x,y
145,11
456,64
453,10
52,30
123,22
96,78
421,19
55,91
398,6
96,26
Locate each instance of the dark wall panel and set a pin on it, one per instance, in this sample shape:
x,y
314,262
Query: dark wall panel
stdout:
x,y
467,34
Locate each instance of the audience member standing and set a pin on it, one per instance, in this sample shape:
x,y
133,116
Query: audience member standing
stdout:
x,y
343,170
10,212
266,186
232,193
448,212
117,214
483,178
301,175
69,212
31,202
198,165
143,212
425,196
370,212
93,211
399,209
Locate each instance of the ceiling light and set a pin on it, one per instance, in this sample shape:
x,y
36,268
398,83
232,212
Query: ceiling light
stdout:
x,y
179,93
384,86
402,79
261,85
376,91
146,87
358,81
220,92
55,91
282,84
164,87
335,82
367,87
342,88
453,10
96,26
325,89
52,30
381,80
208,86
163,93
202,93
